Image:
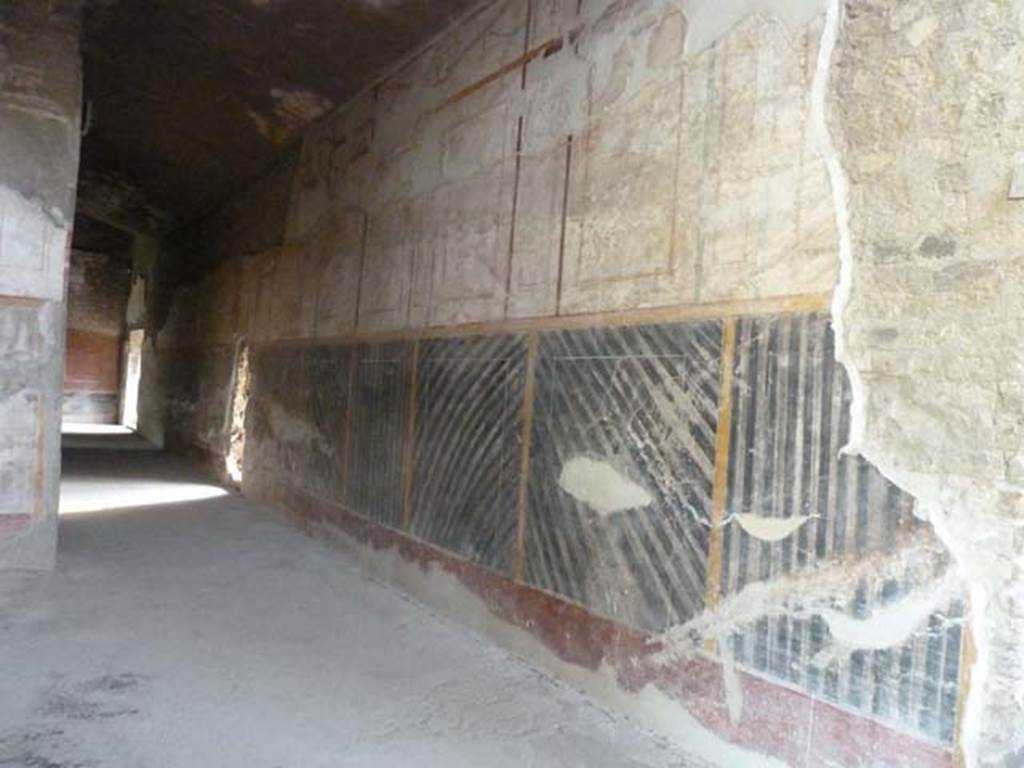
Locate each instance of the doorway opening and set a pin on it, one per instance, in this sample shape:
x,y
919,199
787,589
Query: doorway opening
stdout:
x,y
132,376
239,403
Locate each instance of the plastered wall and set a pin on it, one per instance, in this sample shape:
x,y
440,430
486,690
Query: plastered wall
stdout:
x,y
40,75
451,194
446,361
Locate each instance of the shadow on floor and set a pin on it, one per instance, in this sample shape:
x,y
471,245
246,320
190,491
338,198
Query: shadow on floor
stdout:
x,y
104,437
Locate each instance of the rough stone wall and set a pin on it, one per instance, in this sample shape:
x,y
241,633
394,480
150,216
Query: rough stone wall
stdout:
x,y
40,74
98,286
927,126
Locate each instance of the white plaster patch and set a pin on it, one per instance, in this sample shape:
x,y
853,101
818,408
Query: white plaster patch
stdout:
x,y
841,199
17,457
1017,178
731,681
600,486
769,528
893,624
709,20
294,109
288,428
921,30
812,592
297,107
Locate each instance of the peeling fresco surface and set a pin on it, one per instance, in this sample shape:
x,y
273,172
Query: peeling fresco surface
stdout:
x,y
825,581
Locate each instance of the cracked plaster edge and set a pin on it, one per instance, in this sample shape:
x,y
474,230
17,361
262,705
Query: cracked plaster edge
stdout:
x,y
968,736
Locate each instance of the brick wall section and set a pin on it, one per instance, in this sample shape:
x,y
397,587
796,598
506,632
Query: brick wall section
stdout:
x,y
98,287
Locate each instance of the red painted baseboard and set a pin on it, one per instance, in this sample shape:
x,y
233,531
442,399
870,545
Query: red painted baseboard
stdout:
x,y
776,720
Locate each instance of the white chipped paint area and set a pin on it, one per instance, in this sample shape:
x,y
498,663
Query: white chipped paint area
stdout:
x,y
814,592
709,20
297,107
803,595
209,633
894,624
601,486
769,528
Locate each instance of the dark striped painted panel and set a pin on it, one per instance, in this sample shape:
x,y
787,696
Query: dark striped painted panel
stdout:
x,y
197,390
295,421
276,375
327,383
791,404
380,398
643,403
791,418
467,445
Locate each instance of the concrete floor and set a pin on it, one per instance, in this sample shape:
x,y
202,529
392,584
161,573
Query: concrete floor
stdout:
x,y
189,627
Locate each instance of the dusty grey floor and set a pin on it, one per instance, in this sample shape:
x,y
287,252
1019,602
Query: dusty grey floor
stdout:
x,y
196,629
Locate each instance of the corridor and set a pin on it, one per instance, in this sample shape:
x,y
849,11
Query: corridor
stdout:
x,y
207,632
511,383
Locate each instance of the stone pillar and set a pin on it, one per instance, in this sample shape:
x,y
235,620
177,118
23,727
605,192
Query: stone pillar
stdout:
x,y
40,105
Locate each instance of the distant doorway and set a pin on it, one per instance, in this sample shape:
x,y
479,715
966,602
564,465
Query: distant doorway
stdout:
x,y
132,376
239,403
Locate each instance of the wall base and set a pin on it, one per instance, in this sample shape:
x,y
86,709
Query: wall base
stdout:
x,y
623,669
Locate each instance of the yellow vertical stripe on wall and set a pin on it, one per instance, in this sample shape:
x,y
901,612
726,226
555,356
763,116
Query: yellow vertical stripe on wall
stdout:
x,y
410,437
721,480
524,457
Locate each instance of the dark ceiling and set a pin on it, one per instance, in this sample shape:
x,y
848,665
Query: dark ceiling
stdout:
x,y
187,99
96,237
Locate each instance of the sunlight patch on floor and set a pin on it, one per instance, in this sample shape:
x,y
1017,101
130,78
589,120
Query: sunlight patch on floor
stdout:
x,y
82,428
82,496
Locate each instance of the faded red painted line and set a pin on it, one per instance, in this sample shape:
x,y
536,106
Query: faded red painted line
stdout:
x,y
11,523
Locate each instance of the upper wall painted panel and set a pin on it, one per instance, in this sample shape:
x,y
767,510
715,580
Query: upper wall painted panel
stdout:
x,y
549,157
